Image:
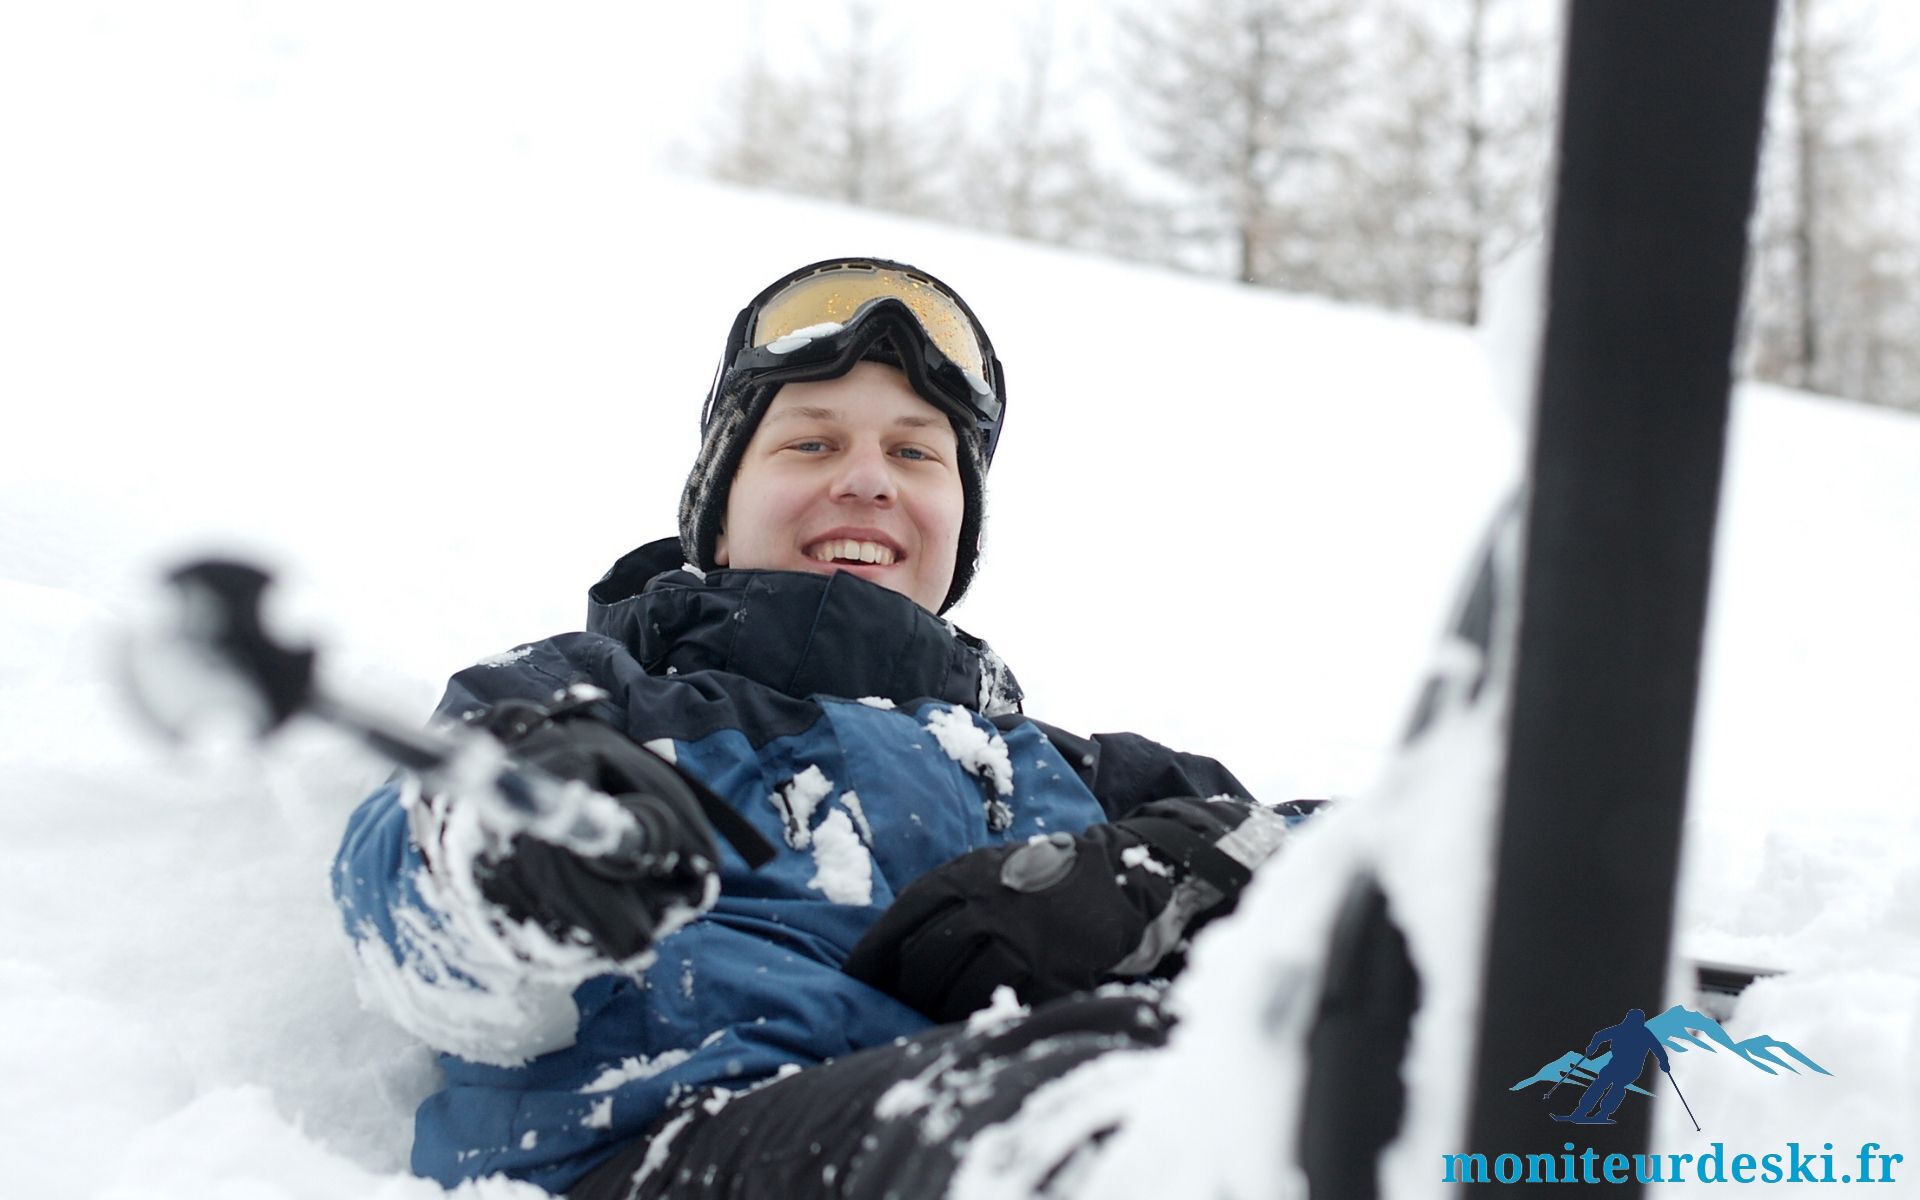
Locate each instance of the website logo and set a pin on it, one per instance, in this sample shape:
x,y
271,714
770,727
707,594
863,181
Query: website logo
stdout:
x,y
1604,1079
1588,1088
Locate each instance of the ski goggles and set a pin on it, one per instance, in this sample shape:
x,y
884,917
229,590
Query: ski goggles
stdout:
x,y
818,321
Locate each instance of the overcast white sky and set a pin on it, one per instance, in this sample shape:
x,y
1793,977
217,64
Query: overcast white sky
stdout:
x,y
608,77
624,77
593,77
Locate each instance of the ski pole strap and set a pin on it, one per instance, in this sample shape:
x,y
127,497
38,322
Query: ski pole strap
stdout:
x,y
1196,854
729,824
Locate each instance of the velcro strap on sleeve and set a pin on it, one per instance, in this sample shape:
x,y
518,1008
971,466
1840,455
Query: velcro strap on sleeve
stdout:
x,y
1192,852
743,837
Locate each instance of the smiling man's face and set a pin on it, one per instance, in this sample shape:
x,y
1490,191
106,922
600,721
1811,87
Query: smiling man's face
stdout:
x,y
852,474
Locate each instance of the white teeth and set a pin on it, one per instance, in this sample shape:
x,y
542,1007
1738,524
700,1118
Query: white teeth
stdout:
x,y
852,550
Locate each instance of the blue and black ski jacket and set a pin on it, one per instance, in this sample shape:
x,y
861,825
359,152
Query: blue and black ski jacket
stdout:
x,y
867,739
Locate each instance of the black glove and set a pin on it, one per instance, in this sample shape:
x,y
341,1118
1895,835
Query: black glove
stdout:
x,y
616,901
1063,914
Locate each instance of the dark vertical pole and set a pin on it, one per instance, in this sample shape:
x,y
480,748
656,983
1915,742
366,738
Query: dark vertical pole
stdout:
x,y
1659,135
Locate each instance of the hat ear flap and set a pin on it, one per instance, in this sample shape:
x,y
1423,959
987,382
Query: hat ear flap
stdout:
x,y
703,502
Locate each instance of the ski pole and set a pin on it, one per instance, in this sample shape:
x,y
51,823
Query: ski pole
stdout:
x,y
1563,1077
1683,1101
216,659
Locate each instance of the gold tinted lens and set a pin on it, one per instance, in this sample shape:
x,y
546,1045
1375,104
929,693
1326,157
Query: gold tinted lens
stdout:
x,y
837,294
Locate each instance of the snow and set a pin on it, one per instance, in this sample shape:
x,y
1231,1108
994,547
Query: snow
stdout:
x,y
506,1021
663,746
996,685
800,337
851,800
630,1069
658,1149
1000,1011
1142,857
843,869
1256,572
796,801
1249,995
976,747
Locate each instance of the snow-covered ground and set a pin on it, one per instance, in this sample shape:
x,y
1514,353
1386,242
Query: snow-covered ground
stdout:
x,y
441,375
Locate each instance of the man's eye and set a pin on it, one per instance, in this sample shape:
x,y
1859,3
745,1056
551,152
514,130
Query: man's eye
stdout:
x,y
913,452
809,446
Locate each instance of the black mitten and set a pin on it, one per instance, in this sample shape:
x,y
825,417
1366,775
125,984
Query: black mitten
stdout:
x,y
660,874
1063,914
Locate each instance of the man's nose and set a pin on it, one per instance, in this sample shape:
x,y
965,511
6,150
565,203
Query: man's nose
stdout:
x,y
866,474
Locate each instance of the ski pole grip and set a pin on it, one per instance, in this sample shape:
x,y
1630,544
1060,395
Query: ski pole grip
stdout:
x,y
221,611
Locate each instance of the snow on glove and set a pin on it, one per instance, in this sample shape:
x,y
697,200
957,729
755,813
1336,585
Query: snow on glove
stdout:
x,y
1063,914
619,902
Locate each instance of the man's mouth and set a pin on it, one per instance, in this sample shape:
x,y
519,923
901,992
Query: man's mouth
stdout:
x,y
851,550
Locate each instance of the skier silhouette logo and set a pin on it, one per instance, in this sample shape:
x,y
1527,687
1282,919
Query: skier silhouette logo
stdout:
x,y
1679,1030
1632,1042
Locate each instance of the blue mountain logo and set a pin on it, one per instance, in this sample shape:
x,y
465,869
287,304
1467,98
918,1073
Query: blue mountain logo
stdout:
x,y
1682,1030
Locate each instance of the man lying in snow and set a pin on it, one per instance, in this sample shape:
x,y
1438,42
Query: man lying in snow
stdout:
x,y
659,1017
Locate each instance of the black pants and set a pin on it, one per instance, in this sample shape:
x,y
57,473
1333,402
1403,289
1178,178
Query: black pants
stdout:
x,y
821,1132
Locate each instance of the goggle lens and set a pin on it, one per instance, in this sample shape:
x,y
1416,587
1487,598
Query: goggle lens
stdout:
x,y
838,292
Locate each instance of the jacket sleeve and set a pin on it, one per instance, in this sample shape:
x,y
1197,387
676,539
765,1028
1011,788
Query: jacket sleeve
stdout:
x,y
424,954
1125,770
426,962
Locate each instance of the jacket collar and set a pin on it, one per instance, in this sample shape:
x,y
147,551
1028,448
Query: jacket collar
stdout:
x,y
796,632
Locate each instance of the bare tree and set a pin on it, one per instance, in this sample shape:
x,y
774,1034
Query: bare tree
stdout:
x,y
1230,97
1026,142
764,118
1833,289
1510,77
842,129
1809,68
872,151
1390,225
1443,156
1033,171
